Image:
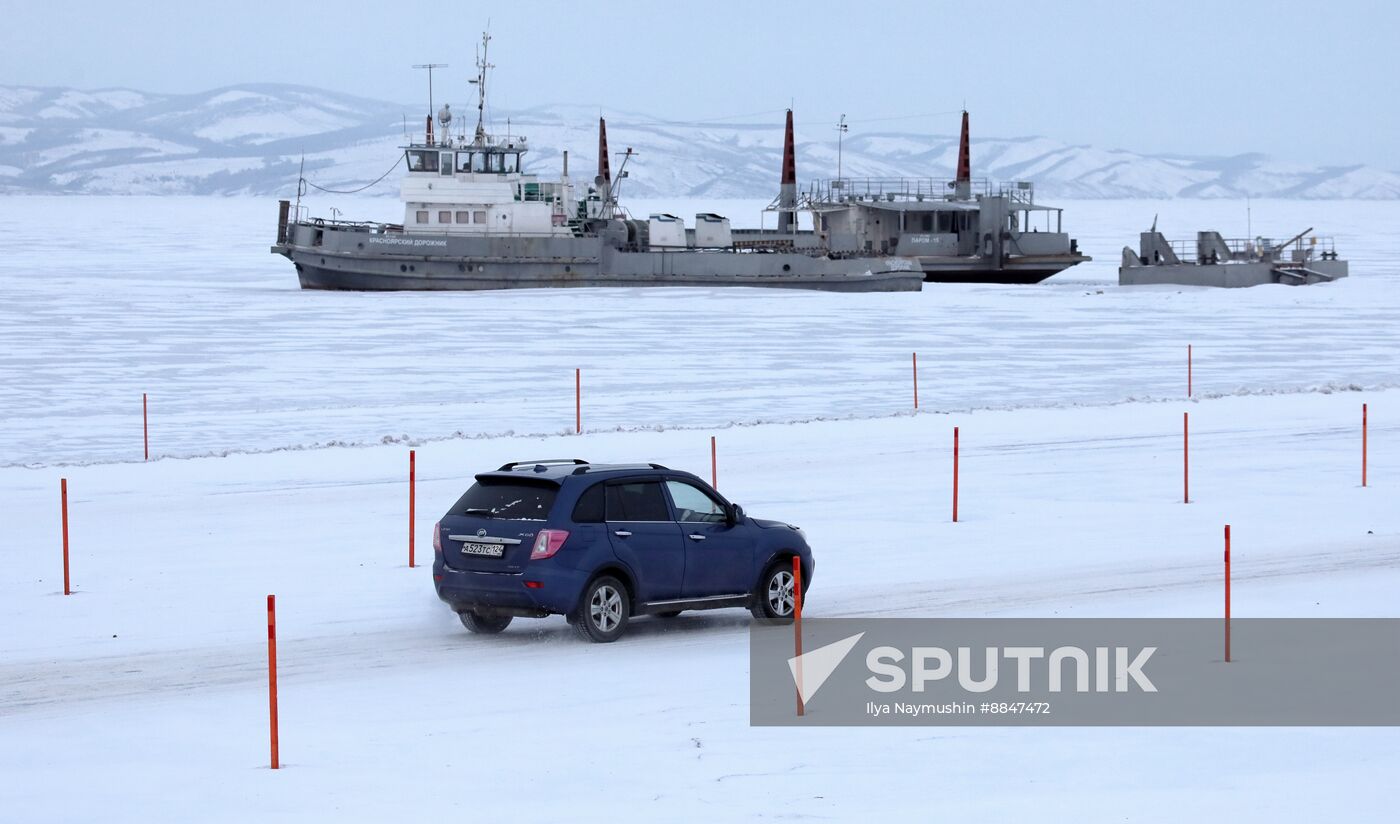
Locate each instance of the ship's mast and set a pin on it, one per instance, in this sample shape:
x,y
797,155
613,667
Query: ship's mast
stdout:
x,y
430,67
480,83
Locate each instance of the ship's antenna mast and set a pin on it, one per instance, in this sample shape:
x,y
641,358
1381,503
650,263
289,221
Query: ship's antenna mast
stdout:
x,y
840,133
430,67
480,83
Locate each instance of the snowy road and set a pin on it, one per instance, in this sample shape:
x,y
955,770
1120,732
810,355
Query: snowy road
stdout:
x,y
65,685
157,663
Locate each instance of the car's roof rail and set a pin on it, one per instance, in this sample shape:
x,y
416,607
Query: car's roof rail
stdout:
x,y
550,462
583,470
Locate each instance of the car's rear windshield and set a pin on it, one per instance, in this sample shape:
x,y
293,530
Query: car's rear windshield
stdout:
x,y
507,499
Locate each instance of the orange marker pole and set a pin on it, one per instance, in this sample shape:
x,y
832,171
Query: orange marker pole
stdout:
x,y
955,474
916,380
797,626
272,675
412,499
1186,457
1227,593
714,464
1363,444
63,494
578,402
1188,370
145,428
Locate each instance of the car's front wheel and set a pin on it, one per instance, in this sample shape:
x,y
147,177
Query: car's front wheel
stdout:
x,y
602,613
773,600
484,624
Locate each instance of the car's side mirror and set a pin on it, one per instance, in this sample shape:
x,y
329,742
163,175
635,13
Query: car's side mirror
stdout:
x,y
736,514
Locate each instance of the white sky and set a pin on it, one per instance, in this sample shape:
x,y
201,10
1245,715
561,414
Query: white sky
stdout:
x,y
1310,82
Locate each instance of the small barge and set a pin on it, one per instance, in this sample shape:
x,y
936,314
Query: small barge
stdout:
x,y
1212,260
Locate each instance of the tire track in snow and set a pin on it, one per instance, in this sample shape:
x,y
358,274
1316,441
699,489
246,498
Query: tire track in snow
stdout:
x,y
56,686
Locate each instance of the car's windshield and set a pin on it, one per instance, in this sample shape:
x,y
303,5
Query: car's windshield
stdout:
x,y
507,499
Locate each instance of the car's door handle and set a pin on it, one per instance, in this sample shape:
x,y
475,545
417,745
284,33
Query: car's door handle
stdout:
x,y
622,533
697,537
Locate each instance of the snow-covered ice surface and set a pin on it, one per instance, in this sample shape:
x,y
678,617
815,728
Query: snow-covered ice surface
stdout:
x,y
143,694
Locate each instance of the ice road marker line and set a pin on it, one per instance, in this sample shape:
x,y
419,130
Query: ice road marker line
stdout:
x,y
955,474
272,675
1227,593
63,496
1363,444
714,465
797,633
810,670
412,499
916,381
145,428
1186,457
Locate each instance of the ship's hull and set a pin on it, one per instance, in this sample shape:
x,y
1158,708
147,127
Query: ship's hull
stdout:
x,y
352,259
1014,270
1233,275
350,279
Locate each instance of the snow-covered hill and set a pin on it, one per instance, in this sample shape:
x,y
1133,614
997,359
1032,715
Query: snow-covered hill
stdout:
x,y
251,139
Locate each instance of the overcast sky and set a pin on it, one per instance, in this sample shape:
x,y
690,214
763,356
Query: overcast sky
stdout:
x,y
1311,82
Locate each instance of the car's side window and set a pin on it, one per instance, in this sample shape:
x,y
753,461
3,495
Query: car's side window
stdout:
x,y
589,509
636,501
694,504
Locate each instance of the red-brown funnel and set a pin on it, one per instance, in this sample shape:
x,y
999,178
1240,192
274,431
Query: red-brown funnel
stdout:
x,y
603,170
789,156
964,159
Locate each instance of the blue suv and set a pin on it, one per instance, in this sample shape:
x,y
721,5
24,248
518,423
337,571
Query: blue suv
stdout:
x,y
602,543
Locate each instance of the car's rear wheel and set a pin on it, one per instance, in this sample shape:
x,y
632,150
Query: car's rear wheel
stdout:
x,y
602,613
773,600
484,624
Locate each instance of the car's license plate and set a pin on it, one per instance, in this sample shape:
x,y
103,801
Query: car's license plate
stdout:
x,y
489,550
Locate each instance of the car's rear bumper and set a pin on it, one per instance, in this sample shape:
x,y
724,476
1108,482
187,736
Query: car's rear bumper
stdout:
x,y
549,590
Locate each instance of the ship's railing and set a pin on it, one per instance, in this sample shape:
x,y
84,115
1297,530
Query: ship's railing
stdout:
x,y
858,189
1263,248
369,226
467,142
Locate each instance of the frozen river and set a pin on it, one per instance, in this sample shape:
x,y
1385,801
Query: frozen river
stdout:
x,y
106,298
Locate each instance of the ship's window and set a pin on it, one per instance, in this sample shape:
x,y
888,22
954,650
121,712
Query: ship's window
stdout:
x,y
420,161
464,217
512,162
444,217
478,161
464,163
447,163
423,216
496,162
479,216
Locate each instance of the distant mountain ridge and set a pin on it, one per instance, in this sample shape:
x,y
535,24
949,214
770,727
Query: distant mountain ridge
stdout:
x,y
250,139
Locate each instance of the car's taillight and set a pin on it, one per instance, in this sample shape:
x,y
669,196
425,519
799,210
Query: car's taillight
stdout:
x,y
437,537
548,542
